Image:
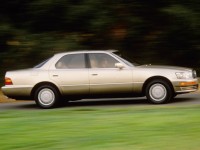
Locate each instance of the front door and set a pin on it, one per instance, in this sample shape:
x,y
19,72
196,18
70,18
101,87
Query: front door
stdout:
x,y
105,78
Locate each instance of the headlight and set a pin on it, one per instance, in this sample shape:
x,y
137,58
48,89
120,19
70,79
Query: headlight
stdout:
x,y
184,75
194,74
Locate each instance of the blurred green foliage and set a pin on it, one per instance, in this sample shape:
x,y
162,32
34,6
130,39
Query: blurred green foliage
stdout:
x,y
156,32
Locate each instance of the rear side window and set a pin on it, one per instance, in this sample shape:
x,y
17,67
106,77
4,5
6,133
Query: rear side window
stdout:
x,y
71,61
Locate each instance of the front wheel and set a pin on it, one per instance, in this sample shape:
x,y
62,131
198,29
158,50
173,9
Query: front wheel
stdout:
x,y
158,92
46,96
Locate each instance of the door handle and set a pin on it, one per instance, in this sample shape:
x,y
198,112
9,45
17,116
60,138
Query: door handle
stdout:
x,y
94,74
55,75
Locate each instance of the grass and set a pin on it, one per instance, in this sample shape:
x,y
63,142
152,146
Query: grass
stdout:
x,y
104,128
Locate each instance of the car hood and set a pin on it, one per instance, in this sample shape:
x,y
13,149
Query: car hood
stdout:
x,y
165,67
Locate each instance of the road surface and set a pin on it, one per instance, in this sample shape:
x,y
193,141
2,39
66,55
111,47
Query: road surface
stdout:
x,y
180,100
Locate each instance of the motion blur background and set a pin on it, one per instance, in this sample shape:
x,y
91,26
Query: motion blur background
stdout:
x,y
157,32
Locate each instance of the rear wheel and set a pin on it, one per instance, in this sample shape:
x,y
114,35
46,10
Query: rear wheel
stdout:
x,y
159,92
47,96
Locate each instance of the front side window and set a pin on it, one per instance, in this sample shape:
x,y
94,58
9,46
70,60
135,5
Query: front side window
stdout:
x,y
101,60
71,61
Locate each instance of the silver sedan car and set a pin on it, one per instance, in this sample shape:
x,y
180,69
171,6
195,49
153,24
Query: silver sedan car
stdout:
x,y
97,74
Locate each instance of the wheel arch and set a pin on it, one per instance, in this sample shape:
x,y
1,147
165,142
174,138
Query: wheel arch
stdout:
x,y
156,78
42,84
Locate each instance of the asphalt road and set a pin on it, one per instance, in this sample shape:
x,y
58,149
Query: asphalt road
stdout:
x,y
180,100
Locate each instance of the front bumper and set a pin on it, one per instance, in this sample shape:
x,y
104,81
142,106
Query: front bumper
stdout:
x,y
186,86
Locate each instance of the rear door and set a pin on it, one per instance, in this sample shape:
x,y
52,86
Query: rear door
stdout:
x,y
71,74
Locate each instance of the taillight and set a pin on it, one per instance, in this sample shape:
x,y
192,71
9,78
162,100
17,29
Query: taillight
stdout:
x,y
8,81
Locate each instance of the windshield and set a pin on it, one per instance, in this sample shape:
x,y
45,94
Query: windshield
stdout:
x,y
131,63
41,64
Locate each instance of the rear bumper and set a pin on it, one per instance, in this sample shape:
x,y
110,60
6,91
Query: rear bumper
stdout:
x,y
17,92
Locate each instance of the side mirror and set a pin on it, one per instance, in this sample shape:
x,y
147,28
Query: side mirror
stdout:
x,y
119,65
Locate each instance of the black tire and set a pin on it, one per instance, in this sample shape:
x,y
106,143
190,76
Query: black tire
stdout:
x,y
159,92
47,96
175,95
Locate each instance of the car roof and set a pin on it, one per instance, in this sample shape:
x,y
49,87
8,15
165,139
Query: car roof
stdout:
x,y
88,51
